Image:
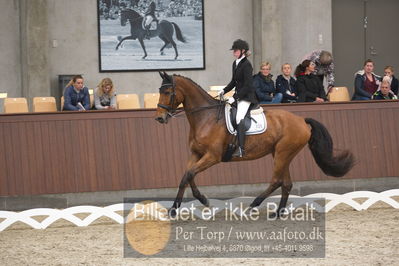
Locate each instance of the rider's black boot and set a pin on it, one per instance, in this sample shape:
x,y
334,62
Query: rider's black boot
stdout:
x,y
240,152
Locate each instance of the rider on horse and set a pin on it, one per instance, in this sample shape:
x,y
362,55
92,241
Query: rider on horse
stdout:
x,y
245,91
149,18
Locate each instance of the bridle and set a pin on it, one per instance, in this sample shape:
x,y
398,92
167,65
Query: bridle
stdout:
x,y
173,112
169,108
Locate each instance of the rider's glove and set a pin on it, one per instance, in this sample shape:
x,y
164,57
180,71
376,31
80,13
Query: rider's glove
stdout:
x,y
221,93
230,100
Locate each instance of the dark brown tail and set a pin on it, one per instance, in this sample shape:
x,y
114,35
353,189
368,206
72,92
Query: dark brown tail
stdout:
x,y
179,34
321,146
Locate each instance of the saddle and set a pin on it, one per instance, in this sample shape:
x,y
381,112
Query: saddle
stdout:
x,y
153,25
255,123
255,119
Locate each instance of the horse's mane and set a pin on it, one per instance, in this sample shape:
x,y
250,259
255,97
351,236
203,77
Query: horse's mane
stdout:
x,y
130,10
195,84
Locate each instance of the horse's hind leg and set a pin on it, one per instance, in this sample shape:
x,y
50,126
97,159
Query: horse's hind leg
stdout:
x,y
274,184
285,192
175,47
281,176
163,47
202,164
197,194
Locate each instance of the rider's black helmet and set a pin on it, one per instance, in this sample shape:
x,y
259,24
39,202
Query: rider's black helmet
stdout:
x,y
240,45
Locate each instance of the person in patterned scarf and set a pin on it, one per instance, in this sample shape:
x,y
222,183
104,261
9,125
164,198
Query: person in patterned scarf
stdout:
x,y
324,67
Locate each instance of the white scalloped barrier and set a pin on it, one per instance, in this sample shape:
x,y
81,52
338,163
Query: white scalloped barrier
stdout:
x,y
53,215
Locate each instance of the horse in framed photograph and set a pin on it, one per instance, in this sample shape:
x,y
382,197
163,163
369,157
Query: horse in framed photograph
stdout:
x,y
165,30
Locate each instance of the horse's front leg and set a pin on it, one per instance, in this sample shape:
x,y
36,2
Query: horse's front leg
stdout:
x,y
142,46
122,40
202,164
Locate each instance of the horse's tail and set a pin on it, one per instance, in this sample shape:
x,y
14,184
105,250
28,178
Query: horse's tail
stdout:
x,y
179,34
321,146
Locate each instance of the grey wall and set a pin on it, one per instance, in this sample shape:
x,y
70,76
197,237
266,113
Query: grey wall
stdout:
x,y
75,30
290,29
278,30
10,65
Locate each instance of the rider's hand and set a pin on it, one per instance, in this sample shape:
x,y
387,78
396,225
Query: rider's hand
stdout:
x,y
221,93
230,100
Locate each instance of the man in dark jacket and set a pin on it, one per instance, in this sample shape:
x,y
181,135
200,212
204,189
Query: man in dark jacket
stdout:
x,y
245,91
384,93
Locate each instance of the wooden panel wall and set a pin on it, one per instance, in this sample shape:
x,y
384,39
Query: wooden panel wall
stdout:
x,y
119,150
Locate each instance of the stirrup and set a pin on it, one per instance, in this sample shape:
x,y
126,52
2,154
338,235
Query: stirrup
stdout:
x,y
239,152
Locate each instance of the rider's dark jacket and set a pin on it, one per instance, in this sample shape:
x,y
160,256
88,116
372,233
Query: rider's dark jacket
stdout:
x,y
242,81
151,10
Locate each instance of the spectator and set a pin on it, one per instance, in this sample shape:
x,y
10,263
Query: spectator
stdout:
x,y
104,95
366,82
76,96
384,93
388,72
264,86
324,67
285,84
308,85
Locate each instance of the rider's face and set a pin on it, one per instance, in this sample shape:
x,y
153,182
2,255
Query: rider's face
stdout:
x,y
237,53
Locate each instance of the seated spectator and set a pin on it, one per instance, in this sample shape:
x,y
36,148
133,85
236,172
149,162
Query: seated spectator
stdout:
x,y
104,95
324,67
76,96
264,86
308,85
388,72
366,82
285,84
384,93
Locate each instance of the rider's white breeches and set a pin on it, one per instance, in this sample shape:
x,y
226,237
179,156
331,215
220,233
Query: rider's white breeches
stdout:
x,y
148,20
242,108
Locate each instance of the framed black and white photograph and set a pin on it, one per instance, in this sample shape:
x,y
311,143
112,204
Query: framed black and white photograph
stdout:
x,y
145,35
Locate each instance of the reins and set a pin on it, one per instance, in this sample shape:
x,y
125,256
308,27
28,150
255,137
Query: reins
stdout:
x,y
171,112
180,110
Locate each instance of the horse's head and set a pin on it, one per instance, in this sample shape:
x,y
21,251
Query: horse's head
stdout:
x,y
124,16
169,98
129,14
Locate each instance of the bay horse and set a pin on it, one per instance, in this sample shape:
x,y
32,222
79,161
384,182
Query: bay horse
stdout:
x,y
285,136
164,31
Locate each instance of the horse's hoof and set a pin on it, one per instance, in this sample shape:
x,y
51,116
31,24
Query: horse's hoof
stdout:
x,y
162,53
274,216
205,201
143,57
172,212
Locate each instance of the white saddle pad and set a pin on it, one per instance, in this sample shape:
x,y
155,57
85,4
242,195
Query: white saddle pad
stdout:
x,y
258,125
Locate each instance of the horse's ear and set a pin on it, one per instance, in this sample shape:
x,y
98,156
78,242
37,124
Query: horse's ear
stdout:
x,y
167,77
161,74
